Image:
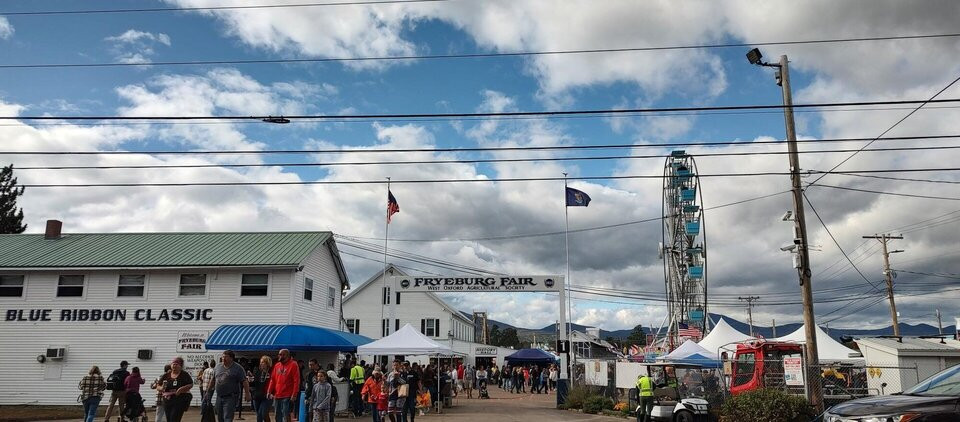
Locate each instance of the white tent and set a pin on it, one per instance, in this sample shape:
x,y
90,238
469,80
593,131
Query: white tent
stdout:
x,y
405,341
723,338
687,349
828,349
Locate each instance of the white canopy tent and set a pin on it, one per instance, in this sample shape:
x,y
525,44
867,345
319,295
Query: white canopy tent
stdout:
x,y
723,338
828,349
405,341
687,349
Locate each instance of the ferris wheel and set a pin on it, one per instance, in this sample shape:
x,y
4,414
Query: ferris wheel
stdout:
x,y
683,249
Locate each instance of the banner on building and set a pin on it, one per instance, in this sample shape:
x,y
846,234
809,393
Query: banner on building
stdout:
x,y
485,351
519,283
192,341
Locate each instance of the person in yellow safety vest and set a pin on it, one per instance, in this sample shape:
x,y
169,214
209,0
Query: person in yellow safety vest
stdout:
x,y
645,391
356,383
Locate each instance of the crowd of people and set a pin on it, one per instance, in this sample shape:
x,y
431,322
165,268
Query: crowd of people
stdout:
x,y
397,392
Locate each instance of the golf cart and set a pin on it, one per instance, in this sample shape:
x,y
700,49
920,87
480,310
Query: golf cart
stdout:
x,y
680,392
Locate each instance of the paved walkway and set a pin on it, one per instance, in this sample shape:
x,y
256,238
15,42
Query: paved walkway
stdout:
x,y
502,406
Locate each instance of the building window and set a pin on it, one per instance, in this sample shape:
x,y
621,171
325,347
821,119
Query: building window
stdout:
x,y
430,327
386,295
193,284
254,285
398,298
331,297
131,285
353,326
11,285
385,328
396,325
307,289
70,286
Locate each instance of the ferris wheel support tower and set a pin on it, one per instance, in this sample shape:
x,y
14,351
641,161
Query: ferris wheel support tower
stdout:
x,y
684,250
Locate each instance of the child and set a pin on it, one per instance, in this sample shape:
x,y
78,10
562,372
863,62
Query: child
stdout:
x,y
423,400
382,400
320,398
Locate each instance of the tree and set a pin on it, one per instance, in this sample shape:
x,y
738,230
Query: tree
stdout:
x,y
11,218
509,338
637,336
495,335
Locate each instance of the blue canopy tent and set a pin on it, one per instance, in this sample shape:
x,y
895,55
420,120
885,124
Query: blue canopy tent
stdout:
x,y
530,356
697,359
292,337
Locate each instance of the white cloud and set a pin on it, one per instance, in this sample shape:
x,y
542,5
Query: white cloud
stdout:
x,y
135,46
133,36
6,29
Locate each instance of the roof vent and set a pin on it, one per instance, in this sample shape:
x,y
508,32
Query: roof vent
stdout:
x,y
54,228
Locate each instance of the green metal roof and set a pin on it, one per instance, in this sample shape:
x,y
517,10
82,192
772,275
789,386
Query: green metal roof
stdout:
x,y
112,250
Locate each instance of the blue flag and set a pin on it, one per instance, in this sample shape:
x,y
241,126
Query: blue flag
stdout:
x,y
576,198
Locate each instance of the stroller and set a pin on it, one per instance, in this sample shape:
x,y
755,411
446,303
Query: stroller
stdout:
x,y
482,393
133,408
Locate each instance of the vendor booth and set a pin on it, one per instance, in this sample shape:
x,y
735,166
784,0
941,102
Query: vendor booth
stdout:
x,y
691,353
531,356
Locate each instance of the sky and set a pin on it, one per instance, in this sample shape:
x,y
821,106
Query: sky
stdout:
x,y
507,227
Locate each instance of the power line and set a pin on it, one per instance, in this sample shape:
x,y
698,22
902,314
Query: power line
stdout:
x,y
520,118
475,180
212,8
503,160
595,112
909,195
900,179
426,56
835,242
477,149
902,119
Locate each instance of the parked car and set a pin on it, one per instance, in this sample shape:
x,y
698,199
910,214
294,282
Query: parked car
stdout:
x,y
934,399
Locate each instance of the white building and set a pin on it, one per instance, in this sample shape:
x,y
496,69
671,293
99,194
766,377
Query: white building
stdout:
x,y
366,311
916,359
76,300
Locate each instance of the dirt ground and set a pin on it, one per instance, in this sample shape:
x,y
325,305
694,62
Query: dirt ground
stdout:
x,y
33,413
502,406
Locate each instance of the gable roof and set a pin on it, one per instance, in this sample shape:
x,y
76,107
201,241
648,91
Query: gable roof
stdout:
x,y
149,250
397,271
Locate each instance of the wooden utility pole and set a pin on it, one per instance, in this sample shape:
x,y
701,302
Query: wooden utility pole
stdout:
x,y
939,322
749,300
811,357
884,239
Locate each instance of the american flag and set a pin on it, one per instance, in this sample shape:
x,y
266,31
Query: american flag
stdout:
x,y
688,331
392,206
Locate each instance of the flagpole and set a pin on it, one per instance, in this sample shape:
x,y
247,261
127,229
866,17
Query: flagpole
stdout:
x,y
386,237
566,242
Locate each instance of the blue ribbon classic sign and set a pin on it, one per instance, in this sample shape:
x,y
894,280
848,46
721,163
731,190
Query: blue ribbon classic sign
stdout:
x,y
519,283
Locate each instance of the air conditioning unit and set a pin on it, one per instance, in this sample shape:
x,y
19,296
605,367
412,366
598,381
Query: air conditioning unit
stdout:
x,y
56,353
145,354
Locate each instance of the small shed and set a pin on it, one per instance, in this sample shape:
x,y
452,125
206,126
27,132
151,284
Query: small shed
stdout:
x,y
892,360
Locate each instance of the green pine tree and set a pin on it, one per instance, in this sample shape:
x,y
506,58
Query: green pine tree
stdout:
x,y
11,218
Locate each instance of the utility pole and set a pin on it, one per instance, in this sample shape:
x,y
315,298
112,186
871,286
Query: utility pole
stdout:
x,y
811,357
749,300
939,322
884,239
774,328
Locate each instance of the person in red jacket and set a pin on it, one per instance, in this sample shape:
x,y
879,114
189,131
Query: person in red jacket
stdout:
x,y
284,385
371,393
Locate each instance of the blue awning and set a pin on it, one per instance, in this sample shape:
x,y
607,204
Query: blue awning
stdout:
x,y
274,337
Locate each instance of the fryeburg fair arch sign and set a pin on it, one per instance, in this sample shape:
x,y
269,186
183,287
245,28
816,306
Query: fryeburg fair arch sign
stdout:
x,y
506,284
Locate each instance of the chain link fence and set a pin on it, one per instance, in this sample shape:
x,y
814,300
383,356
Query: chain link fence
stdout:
x,y
837,382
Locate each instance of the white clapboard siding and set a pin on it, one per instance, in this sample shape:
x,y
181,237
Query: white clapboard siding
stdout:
x,y
106,343
319,267
366,304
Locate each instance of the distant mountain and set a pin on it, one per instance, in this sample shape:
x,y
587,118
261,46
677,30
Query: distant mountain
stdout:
x,y
548,332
